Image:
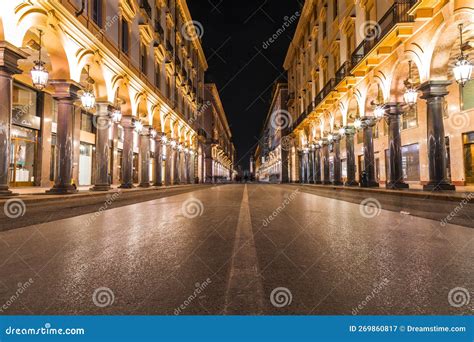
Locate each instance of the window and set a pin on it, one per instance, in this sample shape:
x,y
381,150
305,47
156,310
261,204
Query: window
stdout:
x,y
467,96
411,162
125,39
335,8
157,75
97,12
410,118
87,122
143,58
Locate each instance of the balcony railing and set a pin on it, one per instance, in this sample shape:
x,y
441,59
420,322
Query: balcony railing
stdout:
x,y
144,5
398,13
159,28
343,71
169,47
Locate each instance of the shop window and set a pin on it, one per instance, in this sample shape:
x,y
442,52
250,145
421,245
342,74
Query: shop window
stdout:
x,y
411,162
467,96
87,122
410,118
468,143
448,159
24,104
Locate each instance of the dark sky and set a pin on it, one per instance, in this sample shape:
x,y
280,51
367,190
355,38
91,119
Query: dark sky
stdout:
x,y
233,38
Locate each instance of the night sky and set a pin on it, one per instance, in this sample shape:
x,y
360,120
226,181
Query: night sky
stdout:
x,y
233,38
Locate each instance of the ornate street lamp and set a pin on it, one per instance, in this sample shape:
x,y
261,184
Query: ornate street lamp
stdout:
x,y
87,97
357,123
117,116
462,69
39,74
411,94
342,131
138,126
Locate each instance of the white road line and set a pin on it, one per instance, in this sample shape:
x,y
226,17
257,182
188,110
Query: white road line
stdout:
x,y
244,294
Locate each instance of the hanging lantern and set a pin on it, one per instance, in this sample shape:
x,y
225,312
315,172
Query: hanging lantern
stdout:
x,y
358,123
88,97
342,131
379,111
117,116
138,126
462,69
411,94
330,137
39,74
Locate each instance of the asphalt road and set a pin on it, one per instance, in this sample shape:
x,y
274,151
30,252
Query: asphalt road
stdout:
x,y
238,249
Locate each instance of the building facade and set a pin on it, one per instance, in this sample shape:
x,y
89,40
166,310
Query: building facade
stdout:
x,y
215,139
271,155
99,92
379,96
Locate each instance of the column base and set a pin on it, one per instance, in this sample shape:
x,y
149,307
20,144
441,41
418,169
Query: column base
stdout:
x,y
351,183
443,186
318,182
100,187
144,185
4,192
396,185
326,183
126,186
158,184
337,183
62,190
311,182
369,185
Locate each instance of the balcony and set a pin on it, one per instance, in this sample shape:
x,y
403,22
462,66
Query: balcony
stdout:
x,y
394,27
159,29
145,6
344,77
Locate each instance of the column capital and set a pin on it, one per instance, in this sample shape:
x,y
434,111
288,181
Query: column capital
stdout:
x,y
437,88
394,108
9,56
127,122
145,131
65,89
105,104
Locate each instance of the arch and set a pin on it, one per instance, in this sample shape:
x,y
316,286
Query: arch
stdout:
x,y
400,73
443,46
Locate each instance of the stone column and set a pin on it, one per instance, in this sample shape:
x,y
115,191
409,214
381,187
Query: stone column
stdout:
x,y
182,167
65,92
115,158
169,164
325,150
317,165
395,180
310,166
369,158
300,167
337,161
144,157
158,159
103,122
285,170
127,153
9,56
434,93
176,155
350,157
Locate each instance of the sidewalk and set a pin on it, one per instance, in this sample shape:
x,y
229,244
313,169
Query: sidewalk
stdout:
x,y
415,191
31,194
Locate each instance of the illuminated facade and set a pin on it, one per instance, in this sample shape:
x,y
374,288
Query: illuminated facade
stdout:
x,y
112,99
374,95
271,155
215,139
